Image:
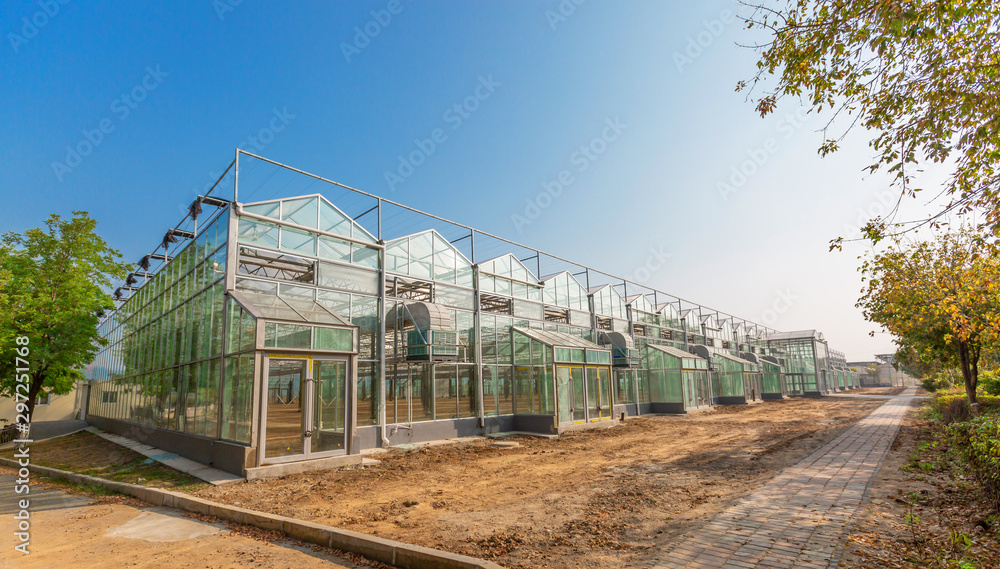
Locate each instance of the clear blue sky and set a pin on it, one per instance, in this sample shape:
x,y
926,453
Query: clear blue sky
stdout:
x,y
211,74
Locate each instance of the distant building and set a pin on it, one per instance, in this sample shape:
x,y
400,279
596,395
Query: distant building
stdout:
x,y
887,376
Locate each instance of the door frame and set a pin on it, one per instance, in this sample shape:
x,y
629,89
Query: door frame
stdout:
x,y
306,393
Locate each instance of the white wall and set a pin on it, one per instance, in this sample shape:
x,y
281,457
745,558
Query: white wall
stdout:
x,y
60,407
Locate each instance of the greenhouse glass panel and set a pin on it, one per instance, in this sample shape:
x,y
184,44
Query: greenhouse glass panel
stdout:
x,y
266,209
421,255
287,336
257,233
445,392
544,390
397,257
332,220
334,249
334,339
298,241
505,390
365,256
343,277
302,211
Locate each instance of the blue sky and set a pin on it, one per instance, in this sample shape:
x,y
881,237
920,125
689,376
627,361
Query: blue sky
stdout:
x,y
649,84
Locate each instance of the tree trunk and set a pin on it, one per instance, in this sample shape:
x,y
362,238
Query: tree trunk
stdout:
x,y
37,379
969,358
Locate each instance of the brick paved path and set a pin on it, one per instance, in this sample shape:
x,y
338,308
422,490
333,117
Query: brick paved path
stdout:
x,y
799,517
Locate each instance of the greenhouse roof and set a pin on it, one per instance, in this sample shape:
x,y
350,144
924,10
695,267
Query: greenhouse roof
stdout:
x,y
312,211
676,352
797,335
560,339
271,307
508,266
734,358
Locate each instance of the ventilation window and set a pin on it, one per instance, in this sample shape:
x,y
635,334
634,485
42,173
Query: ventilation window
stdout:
x,y
495,304
409,289
553,314
279,266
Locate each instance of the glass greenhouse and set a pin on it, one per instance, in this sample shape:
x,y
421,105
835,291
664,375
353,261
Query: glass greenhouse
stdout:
x,y
284,330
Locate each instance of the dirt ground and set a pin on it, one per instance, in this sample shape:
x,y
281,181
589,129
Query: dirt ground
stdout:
x,y
921,479
600,498
83,537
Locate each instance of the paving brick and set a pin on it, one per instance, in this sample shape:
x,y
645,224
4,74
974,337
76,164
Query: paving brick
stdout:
x,y
798,519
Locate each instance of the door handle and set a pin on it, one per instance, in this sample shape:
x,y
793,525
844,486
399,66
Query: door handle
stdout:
x,y
308,433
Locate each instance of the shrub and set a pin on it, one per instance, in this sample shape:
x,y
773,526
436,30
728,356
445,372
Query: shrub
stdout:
x,y
978,441
936,382
989,380
955,407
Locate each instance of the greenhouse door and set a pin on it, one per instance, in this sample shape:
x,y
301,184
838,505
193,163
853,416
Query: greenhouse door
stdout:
x,y
598,393
305,407
572,395
794,383
690,390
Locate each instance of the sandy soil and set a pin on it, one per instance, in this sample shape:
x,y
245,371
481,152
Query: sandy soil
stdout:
x,y
604,498
80,537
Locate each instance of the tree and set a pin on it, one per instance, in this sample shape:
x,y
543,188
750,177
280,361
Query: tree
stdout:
x,y
922,75
940,299
53,283
872,370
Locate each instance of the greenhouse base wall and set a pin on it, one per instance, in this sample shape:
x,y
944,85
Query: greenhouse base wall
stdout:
x,y
230,457
772,396
674,408
729,400
626,410
542,424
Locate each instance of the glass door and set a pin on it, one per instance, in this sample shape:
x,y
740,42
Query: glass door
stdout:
x,y
305,409
603,393
579,408
286,414
690,393
329,406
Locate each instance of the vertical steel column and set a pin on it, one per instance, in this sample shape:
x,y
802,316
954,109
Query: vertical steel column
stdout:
x,y
381,327
478,330
236,177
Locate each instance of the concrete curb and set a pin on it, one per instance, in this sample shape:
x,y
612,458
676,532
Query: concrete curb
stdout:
x,y
395,553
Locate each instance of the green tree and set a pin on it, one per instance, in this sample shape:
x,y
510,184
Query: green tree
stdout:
x,y
872,370
921,75
53,283
940,299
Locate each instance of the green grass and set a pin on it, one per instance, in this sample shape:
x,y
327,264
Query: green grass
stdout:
x,y
85,453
